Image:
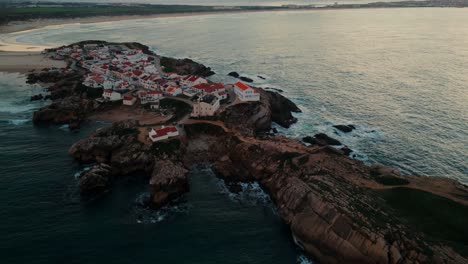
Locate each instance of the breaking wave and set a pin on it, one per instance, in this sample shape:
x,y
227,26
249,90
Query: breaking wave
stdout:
x,y
142,214
249,193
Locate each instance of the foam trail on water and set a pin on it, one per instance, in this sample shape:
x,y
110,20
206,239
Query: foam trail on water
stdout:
x,y
301,259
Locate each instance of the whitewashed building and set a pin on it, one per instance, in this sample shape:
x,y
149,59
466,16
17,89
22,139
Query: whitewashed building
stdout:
x,y
129,100
163,133
245,92
111,95
206,106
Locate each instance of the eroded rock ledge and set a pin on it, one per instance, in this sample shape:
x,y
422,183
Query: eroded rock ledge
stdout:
x,y
336,206
339,210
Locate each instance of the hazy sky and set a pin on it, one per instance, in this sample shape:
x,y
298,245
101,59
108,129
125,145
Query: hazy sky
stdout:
x,y
212,2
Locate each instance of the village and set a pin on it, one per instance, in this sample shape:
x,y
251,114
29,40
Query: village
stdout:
x,y
130,77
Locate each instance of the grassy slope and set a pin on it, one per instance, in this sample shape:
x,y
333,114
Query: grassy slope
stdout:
x,y
441,219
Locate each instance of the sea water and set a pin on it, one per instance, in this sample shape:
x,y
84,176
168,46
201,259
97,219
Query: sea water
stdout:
x,y
399,75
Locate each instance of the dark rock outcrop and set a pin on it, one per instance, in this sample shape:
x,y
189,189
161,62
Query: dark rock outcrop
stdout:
x,y
321,139
116,145
96,180
185,67
282,109
234,74
346,150
37,97
245,79
168,181
254,117
345,128
69,110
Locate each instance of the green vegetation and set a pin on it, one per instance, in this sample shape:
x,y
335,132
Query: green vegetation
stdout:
x,y
179,108
442,219
391,181
170,147
28,10
204,128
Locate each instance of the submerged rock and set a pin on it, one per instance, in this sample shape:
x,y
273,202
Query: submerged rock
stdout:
x,y
36,97
345,128
321,139
245,79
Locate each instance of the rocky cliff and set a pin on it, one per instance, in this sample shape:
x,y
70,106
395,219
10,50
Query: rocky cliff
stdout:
x,y
337,208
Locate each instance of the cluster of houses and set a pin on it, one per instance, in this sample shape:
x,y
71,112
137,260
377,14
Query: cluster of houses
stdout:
x,y
130,75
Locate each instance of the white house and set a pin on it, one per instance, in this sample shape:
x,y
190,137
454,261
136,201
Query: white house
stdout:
x,y
245,92
93,80
129,100
173,90
191,80
151,69
206,106
108,84
163,133
111,95
216,89
153,95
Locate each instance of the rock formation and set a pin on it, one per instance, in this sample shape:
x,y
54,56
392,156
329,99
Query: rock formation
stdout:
x,y
185,67
339,210
345,128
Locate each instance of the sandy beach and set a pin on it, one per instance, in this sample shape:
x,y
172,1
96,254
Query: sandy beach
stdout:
x,y
23,57
17,26
23,62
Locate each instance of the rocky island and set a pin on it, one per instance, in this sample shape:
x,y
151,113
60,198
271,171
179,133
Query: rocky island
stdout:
x,y
166,117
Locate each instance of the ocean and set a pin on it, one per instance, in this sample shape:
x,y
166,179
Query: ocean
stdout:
x,y
399,75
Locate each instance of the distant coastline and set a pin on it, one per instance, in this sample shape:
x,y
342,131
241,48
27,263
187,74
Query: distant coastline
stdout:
x,y
16,17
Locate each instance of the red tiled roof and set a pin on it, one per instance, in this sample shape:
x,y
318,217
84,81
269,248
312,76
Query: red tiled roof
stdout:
x,y
137,72
209,87
108,91
128,98
242,86
154,92
164,131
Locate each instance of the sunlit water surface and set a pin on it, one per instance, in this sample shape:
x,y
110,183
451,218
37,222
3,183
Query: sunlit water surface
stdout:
x,y
399,75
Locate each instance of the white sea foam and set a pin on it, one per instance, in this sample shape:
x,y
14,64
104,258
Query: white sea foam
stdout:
x,y
18,122
250,193
301,259
145,215
79,172
64,127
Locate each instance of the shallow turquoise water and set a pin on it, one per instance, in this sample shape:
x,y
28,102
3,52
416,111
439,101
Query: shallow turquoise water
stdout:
x,y
400,75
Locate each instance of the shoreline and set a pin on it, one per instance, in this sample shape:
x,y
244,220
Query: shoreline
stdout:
x,y
19,26
23,62
24,25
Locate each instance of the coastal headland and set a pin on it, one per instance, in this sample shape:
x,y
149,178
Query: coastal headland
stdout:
x,y
167,116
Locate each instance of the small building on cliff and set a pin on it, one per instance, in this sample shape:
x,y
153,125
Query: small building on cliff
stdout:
x,y
206,106
246,93
165,132
111,95
129,100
